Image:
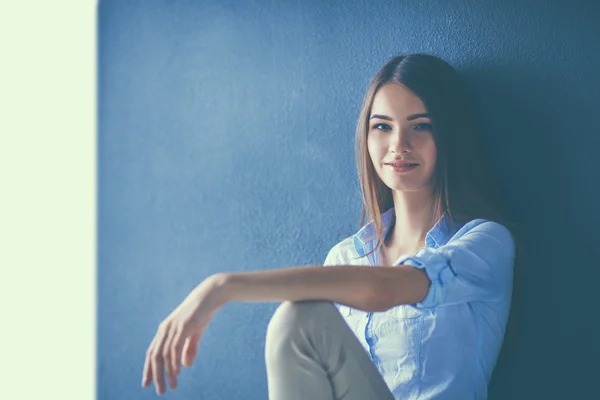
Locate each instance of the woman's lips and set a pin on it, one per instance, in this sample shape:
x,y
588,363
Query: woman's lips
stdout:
x,y
402,169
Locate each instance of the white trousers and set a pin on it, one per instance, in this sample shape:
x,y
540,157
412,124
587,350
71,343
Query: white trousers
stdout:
x,y
311,354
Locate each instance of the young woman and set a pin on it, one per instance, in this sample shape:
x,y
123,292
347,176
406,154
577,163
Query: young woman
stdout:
x,y
415,304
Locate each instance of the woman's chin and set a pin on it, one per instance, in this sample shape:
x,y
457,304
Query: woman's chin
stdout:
x,y
407,186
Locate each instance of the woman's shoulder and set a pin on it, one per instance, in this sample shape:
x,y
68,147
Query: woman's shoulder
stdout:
x,y
482,225
480,229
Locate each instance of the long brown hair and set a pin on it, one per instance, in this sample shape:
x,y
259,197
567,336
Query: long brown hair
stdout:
x,y
462,187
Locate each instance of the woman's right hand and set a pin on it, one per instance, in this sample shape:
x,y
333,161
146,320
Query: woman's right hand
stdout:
x,y
176,340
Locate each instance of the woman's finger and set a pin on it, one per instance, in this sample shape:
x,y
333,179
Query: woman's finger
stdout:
x,y
190,349
156,360
176,350
167,358
147,373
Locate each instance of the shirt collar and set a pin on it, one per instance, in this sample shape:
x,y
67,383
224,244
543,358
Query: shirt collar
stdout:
x,y
437,236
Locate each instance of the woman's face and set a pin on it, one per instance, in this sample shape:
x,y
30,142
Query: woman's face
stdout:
x,y
400,131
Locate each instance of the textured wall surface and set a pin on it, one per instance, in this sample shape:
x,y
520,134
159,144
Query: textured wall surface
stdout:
x,y
225,143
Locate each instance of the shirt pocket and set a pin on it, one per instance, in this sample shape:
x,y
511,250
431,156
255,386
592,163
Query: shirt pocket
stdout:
x,y
398,334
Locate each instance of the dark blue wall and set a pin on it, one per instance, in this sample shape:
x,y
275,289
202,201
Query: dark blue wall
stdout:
x,y
226,144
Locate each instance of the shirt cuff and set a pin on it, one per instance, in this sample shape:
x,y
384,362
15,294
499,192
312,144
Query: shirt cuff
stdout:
x,y
434,265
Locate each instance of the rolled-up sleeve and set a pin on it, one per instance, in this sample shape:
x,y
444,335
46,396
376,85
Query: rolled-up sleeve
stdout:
x,y
477,266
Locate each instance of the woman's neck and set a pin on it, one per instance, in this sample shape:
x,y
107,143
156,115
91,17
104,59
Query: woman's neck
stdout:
x,y
412,222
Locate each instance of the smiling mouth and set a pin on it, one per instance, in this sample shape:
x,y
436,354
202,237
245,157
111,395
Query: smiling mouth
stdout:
x,y
403,167
403,164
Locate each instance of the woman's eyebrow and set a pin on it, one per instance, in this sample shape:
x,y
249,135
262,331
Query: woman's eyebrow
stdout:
x,y
382,117
409,118
415,116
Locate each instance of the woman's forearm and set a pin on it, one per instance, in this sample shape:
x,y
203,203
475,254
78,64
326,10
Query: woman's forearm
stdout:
x,y
355,286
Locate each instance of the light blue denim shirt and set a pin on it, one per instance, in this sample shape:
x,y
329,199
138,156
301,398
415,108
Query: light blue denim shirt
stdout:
x,y
446,346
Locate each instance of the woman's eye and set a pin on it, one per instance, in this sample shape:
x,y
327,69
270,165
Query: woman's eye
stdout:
x,y
423,127
382,127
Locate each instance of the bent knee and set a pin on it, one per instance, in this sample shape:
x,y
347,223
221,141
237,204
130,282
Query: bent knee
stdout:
x,y
291,315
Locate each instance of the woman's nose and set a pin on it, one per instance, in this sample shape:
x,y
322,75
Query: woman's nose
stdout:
x,y
399,142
